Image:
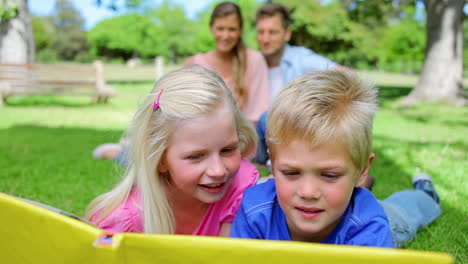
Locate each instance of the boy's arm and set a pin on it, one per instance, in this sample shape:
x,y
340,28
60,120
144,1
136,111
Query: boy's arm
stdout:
x,y
375,233
241,227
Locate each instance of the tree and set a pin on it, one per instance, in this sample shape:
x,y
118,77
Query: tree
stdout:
x,y
442,75
122,36
70,38
16,37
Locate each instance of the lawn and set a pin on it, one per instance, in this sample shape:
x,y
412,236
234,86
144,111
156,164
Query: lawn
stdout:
x,y
46,144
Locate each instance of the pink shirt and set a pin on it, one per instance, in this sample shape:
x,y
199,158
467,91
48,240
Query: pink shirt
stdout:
x,y
128,217
256,80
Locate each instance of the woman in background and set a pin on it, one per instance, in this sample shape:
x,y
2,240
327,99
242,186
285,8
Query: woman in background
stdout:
x,y
243,70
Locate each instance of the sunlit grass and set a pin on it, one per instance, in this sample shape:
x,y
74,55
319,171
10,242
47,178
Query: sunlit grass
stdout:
x,y
46,144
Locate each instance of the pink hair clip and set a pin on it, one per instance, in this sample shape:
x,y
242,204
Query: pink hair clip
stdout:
x,y
156,103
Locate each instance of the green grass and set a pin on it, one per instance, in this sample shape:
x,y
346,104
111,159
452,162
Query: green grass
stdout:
x,y
46,144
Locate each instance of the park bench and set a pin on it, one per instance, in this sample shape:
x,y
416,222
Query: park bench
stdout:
x,y
54,79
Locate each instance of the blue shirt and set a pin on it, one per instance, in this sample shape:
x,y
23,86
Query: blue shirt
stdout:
x,y
364,222
299,60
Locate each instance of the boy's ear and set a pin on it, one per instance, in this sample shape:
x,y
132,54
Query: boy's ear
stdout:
x,y
365,171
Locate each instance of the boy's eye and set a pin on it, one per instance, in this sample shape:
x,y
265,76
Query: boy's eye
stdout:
x,y
330,176
290,173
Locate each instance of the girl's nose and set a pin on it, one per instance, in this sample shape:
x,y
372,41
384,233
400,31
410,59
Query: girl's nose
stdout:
x,y
216,167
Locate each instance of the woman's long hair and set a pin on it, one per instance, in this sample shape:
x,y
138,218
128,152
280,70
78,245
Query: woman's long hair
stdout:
x,y
239,65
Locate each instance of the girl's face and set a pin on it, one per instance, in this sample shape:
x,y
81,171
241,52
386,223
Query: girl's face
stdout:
x,y
202,157
226,31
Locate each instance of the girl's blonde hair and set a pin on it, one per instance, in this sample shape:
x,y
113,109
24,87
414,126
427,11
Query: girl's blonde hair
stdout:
x,y
325,105
239,66
187,93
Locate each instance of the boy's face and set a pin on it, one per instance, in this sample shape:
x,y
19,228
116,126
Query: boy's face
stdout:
x,y
314,186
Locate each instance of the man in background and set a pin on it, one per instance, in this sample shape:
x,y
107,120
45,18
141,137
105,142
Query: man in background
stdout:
x,y
285,62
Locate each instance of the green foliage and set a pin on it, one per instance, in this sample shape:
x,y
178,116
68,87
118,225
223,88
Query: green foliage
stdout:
x,y
70,38
401,48
46,56
465,46
124,35
328,30
8,11
175,31
60,36
361,34
43,32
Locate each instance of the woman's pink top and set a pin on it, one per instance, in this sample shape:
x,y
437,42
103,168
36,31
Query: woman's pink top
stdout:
x,y
128,217
256,80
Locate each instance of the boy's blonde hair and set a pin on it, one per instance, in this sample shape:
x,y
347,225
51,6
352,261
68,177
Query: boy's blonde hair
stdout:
x,y
325,105
189,92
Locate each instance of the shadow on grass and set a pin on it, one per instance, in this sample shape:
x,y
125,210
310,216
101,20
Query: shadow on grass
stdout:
x,y
51,100
130,82
427,116
448,232
393,92
55,165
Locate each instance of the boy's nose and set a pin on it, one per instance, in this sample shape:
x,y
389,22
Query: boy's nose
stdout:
x,y
309,189
216,167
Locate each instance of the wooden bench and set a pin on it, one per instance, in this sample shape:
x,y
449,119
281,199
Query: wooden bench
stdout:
x,y
54,79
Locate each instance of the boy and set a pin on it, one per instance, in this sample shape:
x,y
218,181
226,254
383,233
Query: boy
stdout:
x,y
319,139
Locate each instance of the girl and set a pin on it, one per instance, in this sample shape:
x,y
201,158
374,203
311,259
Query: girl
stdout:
x,y
244,70
186,174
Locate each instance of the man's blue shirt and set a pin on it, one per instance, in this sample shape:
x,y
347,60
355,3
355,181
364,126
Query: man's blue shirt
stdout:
x,y
299,60
364,222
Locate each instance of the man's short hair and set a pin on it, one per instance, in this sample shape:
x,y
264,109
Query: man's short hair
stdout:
x,y
271,9
324,106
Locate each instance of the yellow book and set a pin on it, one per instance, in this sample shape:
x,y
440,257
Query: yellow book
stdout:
x,y
33,233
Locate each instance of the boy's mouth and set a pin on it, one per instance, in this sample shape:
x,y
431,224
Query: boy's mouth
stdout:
x,y
309,212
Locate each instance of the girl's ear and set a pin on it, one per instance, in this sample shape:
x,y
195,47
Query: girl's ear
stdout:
x,y
365,172
162,167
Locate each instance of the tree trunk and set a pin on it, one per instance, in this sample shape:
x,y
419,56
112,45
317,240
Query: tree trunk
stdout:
x,y
442,74
16,36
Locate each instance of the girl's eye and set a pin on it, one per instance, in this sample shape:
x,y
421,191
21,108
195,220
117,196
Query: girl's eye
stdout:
x,y
195,156
229,150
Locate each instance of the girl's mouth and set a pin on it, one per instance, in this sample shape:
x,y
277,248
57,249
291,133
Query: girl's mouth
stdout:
x,y
213,187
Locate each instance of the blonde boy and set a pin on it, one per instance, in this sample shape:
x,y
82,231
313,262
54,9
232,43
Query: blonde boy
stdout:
x,y
319,138
320,141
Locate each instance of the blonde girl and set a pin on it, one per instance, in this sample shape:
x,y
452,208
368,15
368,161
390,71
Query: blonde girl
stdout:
x,y
186,172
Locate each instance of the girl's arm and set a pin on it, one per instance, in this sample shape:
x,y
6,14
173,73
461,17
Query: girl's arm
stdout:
x,y
225,229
